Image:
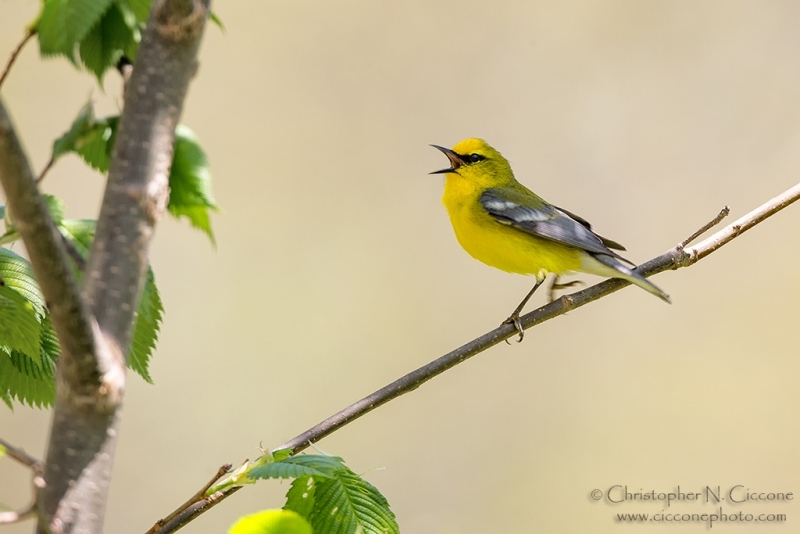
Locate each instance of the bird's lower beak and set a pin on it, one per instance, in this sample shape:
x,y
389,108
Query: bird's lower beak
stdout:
x,y
455,160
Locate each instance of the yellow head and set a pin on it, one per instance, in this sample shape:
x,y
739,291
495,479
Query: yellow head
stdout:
x,y
477,162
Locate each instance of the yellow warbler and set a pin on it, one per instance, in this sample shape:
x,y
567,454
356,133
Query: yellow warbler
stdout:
x,y
502,223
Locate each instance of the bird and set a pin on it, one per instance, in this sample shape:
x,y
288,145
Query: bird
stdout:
x,y
503,224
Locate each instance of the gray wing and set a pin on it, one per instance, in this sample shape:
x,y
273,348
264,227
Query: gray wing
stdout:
x,y
510,207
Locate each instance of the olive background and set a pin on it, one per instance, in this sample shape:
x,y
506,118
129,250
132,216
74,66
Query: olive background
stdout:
x,y
336,270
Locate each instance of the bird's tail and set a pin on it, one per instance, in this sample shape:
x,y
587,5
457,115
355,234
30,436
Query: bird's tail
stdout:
x,y
605,265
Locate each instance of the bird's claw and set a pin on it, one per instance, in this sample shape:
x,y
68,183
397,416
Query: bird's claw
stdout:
x,y
514,319
551,295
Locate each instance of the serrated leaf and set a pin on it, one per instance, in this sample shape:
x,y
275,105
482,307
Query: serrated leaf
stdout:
x,y
5,397
28,367
49,348
19,326
90,138
51,31
35,392
145,329
17,274
45,368
66,142
300,497
102,47
83,15
271,522
65,23
299,466
190,182
347,504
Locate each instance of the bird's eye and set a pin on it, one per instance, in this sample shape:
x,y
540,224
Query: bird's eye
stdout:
x,y
475,158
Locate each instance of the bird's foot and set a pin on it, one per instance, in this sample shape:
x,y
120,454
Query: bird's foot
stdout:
x,y
555,286
514,319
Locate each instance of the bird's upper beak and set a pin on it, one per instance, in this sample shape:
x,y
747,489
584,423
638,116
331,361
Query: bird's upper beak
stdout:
x,y
455,160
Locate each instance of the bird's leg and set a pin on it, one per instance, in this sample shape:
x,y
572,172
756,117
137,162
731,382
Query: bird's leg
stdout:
x,y
514,317
555,286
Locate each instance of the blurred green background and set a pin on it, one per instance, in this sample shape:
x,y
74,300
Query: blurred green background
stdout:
x,y
337,270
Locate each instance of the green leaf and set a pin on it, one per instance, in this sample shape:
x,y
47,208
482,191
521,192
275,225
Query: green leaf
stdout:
x,y
299,466
347,504
80,232
19,326
83,15
11,234
9,237
49,348
271,522
106,42
145,330
56,207
6,397
218,21
135,26
30,390
52,30
140,8
280,454
17,274
190,182
300,497
91,139
66,143
65,23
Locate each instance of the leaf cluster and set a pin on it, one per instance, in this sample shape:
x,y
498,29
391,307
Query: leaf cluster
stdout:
x,y
325,492
92,33
28,344
190,174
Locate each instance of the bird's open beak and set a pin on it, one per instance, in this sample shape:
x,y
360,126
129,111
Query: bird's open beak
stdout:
x,y
455,160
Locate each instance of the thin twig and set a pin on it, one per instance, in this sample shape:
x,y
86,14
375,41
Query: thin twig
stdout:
x,y
45,170
196,509
197,497
21,456
15,53
740,226
674,258
711,224
36,466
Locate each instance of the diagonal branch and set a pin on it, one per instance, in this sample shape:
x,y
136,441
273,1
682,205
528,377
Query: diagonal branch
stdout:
x,y
675,258
47,254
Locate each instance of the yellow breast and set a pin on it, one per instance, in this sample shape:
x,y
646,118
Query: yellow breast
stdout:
x,y
500,245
